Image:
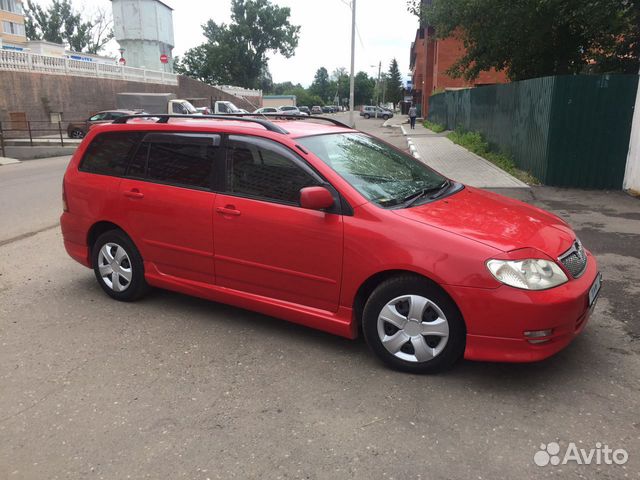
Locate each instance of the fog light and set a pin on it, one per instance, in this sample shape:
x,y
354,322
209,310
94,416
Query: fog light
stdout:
x,y
536,337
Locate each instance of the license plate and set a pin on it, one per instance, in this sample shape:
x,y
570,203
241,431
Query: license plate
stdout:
x,y
595,289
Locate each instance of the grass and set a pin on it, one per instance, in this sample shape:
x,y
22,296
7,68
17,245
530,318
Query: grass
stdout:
x,y
476,143
434,127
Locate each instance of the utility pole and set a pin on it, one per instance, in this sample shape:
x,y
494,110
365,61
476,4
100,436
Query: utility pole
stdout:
x,y
631,180
378,85
384,89
353,49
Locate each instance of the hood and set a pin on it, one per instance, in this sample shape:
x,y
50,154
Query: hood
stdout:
x,y
494,220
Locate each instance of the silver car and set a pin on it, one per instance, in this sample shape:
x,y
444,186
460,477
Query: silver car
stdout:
x,y
291,110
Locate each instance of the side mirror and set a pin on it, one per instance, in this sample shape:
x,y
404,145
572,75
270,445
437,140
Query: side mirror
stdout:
x,y
316,198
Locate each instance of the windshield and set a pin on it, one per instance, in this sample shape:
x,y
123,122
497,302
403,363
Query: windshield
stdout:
x,y
381,173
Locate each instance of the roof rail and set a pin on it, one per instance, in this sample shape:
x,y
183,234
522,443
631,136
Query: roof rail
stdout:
x,y
289,116
164,118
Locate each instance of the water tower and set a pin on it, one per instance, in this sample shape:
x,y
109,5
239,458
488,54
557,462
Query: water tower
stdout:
x,y
144,30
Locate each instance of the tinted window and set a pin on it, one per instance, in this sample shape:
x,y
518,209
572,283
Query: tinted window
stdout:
x,y
259,168
109,152
179,108
97,117
185,160
138,164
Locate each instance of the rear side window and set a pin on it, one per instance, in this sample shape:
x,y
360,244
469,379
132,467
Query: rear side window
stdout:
x,y
109,152
176,159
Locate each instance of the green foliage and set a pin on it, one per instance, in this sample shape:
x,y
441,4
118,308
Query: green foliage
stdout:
x,y
237,53
364,88
59,23
320,85
434,127
536,38
476,143
339,84
393,84
326,87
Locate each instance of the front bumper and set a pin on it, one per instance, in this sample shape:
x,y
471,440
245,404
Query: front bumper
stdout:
x,y
497,319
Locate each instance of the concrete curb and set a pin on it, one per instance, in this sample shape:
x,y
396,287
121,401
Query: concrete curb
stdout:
x,y
412,148
8,161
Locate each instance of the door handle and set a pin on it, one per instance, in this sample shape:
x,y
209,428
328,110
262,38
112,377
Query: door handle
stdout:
x,y
228,210
134,193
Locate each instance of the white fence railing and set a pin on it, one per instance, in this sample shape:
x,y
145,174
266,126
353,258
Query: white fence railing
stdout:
x,y
33,62
239,91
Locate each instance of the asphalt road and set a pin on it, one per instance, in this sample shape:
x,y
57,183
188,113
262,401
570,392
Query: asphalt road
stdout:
x,y
176,387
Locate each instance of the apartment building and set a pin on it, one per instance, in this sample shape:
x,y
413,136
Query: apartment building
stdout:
x,y
12,32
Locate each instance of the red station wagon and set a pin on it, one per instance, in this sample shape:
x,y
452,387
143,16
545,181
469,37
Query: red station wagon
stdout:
x,y
328,227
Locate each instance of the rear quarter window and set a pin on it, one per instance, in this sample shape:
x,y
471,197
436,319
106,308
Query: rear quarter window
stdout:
x,y
109,153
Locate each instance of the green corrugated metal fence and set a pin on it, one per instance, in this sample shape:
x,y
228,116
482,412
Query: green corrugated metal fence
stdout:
x,y
570,131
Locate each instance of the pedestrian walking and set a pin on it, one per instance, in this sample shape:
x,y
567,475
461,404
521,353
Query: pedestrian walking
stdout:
x,y
413,113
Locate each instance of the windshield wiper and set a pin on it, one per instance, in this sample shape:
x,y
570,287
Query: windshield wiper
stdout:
x,y
414,197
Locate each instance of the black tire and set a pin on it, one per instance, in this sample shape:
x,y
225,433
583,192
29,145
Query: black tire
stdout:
x,y
385,117
76,133
134,288
419,286
366,115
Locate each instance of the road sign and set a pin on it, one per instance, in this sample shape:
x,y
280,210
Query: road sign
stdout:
x,y
122,61
164,58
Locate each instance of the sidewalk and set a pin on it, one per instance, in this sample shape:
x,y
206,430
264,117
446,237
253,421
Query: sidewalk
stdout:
x,y
454,161
8,161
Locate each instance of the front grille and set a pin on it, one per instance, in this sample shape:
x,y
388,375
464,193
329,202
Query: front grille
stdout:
x,y
575,259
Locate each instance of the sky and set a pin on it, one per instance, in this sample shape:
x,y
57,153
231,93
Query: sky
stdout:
x,y
384,30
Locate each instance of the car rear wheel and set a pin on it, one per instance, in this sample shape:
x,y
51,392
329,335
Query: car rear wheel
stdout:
x,y
76,133
413,326
118,266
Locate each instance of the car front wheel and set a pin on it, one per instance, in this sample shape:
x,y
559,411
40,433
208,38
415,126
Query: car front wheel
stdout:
x,y
118,266
366,115
385,117
413,326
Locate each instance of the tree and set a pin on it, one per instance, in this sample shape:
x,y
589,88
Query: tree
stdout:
x,y
61,24
363,89
393,84
339,84
320,85
538,37
237,53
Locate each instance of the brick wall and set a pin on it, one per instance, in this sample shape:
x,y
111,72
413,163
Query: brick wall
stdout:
x,y
37,94
440,55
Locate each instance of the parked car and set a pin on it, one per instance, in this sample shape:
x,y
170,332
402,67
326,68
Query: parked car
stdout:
x,y
316,110
369,111
80,129
304,109
291,110
263,110
328,227
327,109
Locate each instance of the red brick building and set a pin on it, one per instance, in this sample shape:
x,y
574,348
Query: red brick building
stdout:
x,y
431,58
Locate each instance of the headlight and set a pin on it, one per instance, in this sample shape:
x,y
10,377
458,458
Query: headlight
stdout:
x,y
529,274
